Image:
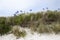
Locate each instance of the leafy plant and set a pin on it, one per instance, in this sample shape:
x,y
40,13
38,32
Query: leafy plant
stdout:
x,y
4,29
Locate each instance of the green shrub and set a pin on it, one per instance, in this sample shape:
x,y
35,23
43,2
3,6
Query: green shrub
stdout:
x,y
4,29
2,20
9,21
51,16
18,19
39,21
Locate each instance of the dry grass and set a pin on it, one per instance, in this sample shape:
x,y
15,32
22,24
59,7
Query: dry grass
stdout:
x,y
16,31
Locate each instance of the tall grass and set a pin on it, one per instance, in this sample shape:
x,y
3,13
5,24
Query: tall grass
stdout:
x,y
4,28
17,32
42,22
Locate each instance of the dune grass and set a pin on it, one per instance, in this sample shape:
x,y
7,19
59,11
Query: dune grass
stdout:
x,y
17,32
42,22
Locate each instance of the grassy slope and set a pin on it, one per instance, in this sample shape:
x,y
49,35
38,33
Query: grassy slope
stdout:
x,y
42,22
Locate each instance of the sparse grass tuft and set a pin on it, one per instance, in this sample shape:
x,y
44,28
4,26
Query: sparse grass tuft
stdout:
x,y
16,31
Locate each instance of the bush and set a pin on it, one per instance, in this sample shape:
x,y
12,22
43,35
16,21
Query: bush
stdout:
x,y
4,29
51,16
18,19
39,21
2,20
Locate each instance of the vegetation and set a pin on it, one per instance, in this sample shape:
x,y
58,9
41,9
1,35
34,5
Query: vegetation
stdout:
x,y
42,22
4,28
17,32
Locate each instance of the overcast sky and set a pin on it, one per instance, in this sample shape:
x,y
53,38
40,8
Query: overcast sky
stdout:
x,y
9,7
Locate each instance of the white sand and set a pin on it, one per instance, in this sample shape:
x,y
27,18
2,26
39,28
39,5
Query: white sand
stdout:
x,y
30,36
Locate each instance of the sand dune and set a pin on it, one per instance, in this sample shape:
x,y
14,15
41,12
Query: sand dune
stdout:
x,y
30,36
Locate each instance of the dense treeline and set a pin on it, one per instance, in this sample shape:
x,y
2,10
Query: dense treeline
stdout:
x,y
39,21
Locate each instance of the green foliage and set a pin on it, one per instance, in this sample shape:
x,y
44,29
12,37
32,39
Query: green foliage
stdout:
x,y
4,29
51,16
39,21
18,19
2,20
9,20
